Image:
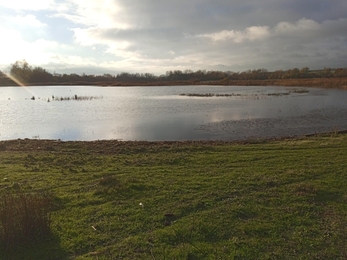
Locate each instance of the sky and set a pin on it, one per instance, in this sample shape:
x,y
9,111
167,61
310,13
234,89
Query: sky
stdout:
x,y
155,36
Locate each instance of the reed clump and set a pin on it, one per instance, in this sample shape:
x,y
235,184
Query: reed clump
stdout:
x,y
24,219
76,97
243,95
209,95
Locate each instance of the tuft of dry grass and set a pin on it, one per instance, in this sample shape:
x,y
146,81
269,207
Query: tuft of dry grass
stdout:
x,y
24,218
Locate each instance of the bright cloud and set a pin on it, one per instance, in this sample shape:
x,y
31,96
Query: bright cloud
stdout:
x,y
27,5
302,28
251,33
100,14
28,20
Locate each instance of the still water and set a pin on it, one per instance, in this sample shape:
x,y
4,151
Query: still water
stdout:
x,y
162,113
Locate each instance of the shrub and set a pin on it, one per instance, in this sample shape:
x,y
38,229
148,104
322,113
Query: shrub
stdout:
x,y
24,218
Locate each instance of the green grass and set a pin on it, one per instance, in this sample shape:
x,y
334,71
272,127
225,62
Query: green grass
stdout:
x,y
263,200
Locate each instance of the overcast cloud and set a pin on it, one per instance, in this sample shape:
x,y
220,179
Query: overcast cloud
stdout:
x,y
111,36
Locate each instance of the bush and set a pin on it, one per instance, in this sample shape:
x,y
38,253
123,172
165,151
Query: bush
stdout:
x,y
24,218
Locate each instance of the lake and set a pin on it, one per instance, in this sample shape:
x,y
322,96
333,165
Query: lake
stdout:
x,y
169,112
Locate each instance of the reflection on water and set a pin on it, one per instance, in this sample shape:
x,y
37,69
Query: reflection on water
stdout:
x,y
162,113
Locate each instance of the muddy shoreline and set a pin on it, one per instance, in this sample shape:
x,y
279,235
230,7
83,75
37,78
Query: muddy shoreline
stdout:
x,y
119,147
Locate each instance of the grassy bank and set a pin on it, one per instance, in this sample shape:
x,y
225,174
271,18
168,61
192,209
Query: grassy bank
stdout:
x,y
311,82
184,200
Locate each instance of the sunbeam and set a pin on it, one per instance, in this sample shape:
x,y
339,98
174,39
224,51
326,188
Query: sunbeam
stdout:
x,y
19,83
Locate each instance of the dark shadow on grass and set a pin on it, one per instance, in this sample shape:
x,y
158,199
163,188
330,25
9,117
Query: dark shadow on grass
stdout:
x,y
324,196
25,226
47,249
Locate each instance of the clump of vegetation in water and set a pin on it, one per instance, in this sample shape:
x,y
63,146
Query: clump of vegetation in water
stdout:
x,y
300,91
279,94
75,97
209,95
240,95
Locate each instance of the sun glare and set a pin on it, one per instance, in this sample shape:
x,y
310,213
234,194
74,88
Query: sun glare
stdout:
x,y
19,83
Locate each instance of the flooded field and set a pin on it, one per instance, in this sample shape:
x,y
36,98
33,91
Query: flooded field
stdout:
x,y
169,112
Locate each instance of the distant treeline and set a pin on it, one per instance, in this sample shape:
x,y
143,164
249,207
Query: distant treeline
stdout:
x,y
22,73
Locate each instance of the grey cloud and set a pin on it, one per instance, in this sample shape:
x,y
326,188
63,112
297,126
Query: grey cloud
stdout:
x,y
204,15
157,35
168,50
317,10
